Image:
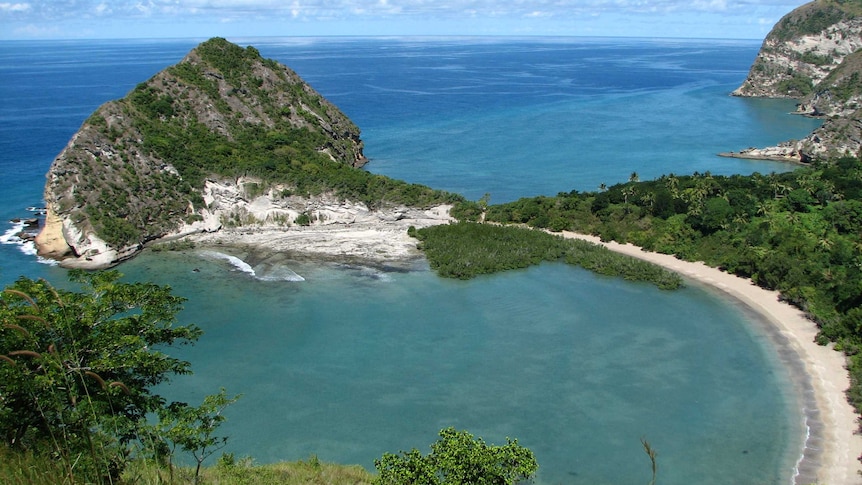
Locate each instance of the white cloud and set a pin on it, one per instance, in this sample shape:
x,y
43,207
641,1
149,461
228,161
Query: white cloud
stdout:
x,y
103,9
345,8
14,7
37,31
396,14
711,5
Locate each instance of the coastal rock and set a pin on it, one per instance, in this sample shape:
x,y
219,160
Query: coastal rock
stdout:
x,y
813,54
135,171
230,205
368,237
786,152
239,216
50,242
795,56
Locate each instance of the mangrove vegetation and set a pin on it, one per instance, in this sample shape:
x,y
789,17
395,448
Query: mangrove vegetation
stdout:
x,y
467,249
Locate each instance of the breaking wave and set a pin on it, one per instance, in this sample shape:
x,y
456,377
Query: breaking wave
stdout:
x,y
11,237
260,272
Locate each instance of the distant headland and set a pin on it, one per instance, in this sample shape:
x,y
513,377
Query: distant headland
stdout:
x,y
813,55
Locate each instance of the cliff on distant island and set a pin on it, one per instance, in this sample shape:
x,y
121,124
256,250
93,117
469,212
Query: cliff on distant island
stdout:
x,y
139,169
813,55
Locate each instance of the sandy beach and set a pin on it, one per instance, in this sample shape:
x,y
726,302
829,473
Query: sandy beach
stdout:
x,y
833,440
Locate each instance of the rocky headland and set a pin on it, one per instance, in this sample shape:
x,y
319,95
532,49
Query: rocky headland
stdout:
x,y
813,55
223,142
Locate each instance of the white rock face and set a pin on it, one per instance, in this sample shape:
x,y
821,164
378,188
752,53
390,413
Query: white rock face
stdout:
x,y
337,228
836,40
75,248
779,60
229,205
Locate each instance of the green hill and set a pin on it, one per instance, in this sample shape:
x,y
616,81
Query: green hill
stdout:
x,y
136,169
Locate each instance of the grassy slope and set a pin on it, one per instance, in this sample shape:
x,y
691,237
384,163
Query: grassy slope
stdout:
x,y
26,469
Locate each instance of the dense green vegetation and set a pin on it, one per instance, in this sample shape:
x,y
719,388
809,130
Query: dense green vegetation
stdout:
x,y
845,81
77,372
289,151
813,18
797,86
458,458
294,150
466,249
286,155
796,232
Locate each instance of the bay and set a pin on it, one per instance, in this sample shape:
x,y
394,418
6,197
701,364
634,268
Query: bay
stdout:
x,y
355,361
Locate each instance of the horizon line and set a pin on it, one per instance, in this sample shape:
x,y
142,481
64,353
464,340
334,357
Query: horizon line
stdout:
x,y
382,37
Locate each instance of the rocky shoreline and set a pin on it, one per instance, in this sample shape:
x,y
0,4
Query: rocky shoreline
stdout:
x,y
330,227
380,242
776,154
322,225
816,62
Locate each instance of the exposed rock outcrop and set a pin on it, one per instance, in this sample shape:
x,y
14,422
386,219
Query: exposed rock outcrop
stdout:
x,y
332,227
813,55
229,204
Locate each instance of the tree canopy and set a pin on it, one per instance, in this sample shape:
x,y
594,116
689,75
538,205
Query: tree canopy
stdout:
x,y
458,458
78,369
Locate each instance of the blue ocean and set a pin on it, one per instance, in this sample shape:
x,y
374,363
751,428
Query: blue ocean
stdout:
x,y
350,361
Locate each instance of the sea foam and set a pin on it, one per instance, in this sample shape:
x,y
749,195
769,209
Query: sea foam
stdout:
x,y
262,273
11,237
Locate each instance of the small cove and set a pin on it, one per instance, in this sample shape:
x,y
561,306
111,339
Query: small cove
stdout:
x,y
354,361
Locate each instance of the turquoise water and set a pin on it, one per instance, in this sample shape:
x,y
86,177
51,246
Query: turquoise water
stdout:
x,y
578,367
355,361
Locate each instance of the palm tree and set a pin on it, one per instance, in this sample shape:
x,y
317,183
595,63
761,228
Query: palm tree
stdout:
x,y
672,184
778,188
696,195
809,182
629,191
649,199
740,220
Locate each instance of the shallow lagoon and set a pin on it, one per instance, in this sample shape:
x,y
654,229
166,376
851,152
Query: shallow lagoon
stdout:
x,y
355,361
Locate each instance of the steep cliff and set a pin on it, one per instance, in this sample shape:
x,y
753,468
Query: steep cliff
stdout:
x,y
137,168
813,55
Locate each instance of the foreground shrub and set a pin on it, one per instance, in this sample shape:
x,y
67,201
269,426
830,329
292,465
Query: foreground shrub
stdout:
x,y
458,458
77,373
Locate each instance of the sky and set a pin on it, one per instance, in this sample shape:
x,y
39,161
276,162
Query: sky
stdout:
x,y
104,19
